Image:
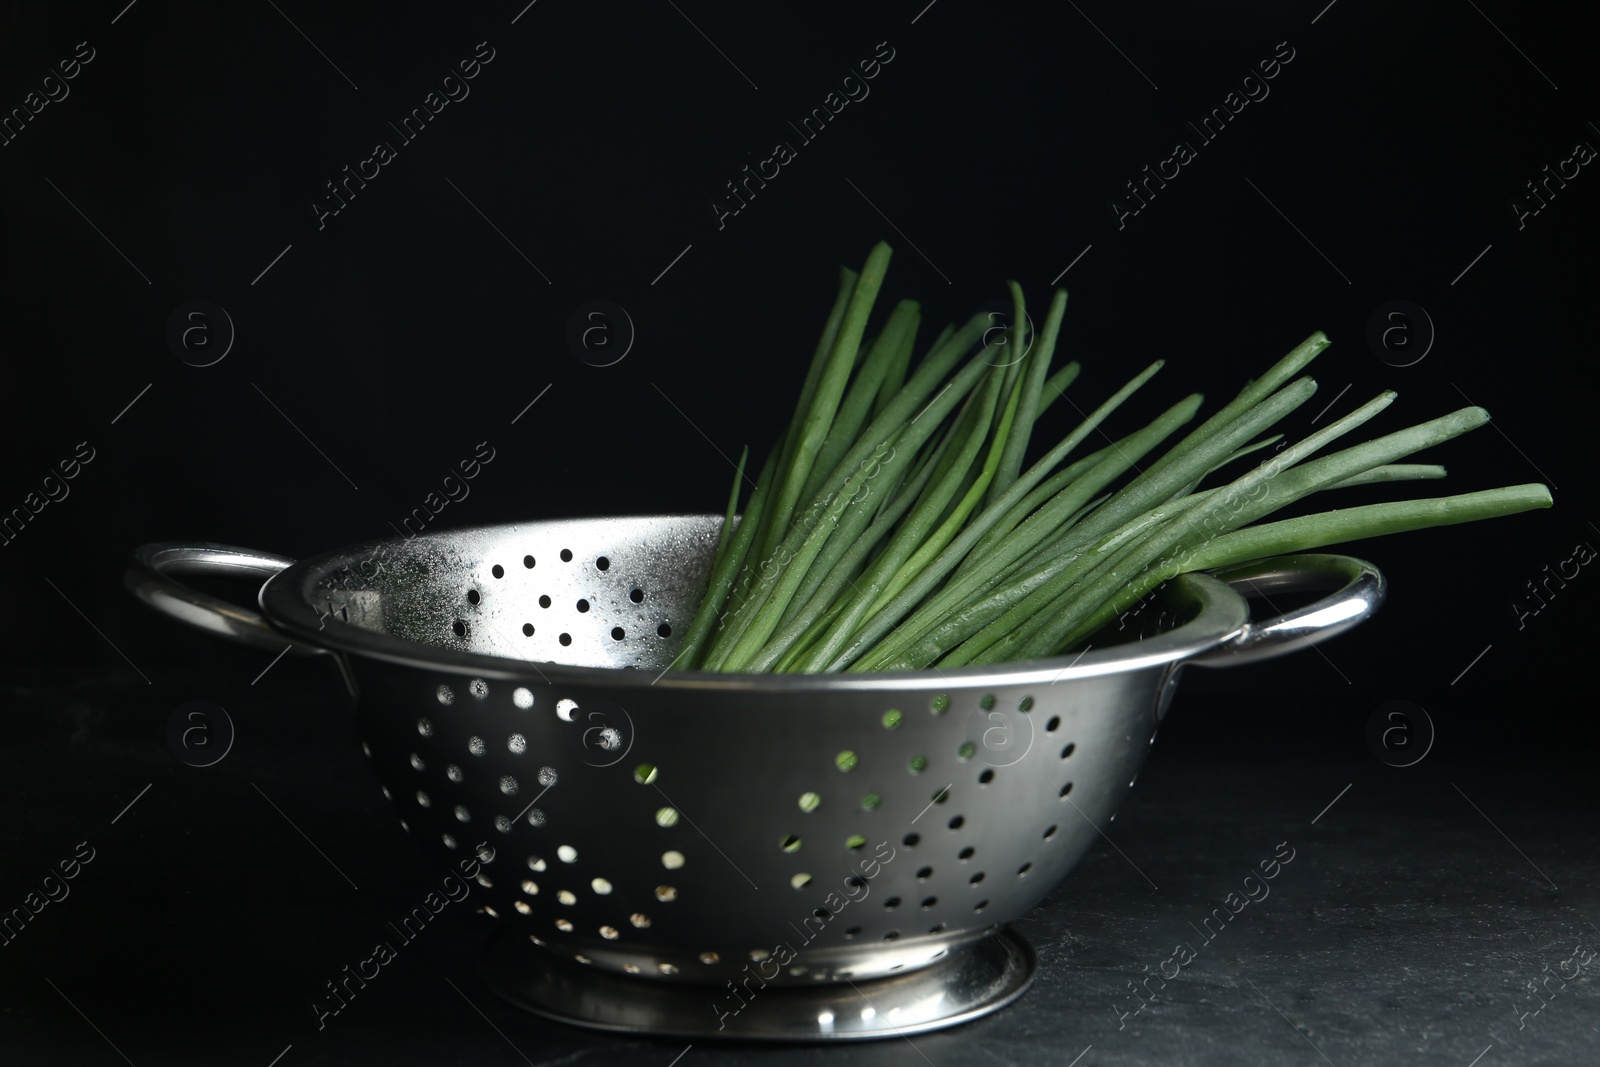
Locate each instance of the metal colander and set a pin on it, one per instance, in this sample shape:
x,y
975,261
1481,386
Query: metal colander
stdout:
x,y
756,856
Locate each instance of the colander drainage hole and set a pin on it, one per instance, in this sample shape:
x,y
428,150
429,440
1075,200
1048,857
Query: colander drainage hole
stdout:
x,y
602,564
583,605
924,874
527,629
957,822
790,844
1069,750
892,935
544,601
891,904
498,571
618,633
565,639
637,596
566,555
938,928
472,596
910,840
929,902
966,853
527,561
986,777
664,630
975,879
1065,790
979,906
852,933
1049,832
460,628
1053,725
1024,869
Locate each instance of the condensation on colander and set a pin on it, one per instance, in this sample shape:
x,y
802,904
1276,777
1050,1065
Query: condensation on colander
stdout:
x,y
576,592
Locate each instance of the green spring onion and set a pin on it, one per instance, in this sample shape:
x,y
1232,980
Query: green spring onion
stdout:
x,y
894,525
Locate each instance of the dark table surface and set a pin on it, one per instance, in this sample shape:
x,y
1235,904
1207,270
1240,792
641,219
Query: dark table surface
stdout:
x,y
1425,915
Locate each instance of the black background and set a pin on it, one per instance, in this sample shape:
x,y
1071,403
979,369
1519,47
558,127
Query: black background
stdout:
x,y
410,326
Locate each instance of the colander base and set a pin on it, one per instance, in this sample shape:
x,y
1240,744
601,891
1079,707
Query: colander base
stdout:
x,y
971,982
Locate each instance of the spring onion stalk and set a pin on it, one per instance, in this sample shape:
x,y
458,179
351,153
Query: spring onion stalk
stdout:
x,y
1038,361
894,525
1055,386
726,572
874,442
1325,528
733,508
914,594
835,373
842,561
785,570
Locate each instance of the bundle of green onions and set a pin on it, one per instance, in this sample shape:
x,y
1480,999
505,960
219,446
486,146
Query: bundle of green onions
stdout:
x,y
893,527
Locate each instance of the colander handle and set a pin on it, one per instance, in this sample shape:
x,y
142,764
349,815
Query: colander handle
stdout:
x,y
151,580
1360,588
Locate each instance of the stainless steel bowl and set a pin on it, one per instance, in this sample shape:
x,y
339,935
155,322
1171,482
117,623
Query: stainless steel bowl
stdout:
x,y
755,856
